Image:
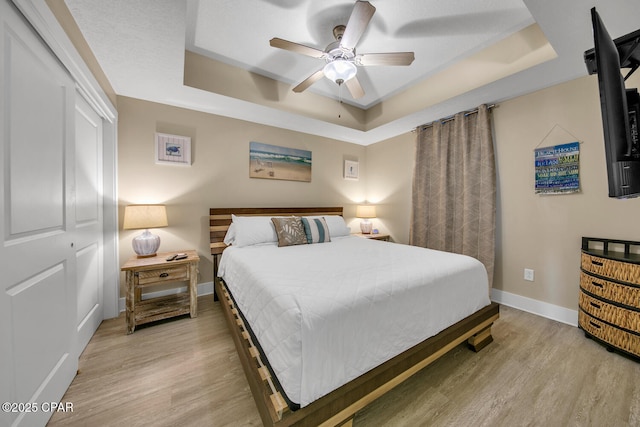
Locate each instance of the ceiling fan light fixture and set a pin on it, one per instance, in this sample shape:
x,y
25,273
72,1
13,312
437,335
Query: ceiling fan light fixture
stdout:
x,y
340,70
340,55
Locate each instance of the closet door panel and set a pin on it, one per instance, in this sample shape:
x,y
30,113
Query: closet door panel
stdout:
x,y
37,229
89,222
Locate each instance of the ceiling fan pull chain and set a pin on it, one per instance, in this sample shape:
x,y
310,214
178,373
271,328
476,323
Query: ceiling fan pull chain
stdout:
x,y
339,100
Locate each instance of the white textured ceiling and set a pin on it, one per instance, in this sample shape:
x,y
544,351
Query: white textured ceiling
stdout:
x,y
140,45
435,30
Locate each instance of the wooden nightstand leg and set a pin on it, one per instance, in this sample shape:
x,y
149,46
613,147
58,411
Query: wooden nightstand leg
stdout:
x,y
130,302
193,289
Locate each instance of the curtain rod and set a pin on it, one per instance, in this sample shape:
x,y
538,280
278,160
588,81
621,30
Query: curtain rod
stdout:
x,y
449,118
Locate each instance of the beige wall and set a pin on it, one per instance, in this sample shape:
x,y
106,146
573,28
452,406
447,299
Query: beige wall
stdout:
x,y
544,232
219,175
390,167
538,232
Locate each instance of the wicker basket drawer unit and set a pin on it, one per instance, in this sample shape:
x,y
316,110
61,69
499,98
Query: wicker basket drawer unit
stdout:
x,y
610,293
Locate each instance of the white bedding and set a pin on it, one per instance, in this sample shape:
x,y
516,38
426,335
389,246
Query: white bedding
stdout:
x,y
326,313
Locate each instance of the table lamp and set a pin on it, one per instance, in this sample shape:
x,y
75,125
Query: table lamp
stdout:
x,y
365,212
144,217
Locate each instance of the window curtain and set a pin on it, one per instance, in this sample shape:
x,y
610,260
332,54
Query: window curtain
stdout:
x,y
454,187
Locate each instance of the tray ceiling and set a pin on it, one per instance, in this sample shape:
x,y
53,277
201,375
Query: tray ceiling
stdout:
x,y
140,44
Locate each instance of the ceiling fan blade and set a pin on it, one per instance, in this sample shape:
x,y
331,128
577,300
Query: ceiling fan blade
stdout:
x,y
395,58
358,21
354,88
309,81
298,48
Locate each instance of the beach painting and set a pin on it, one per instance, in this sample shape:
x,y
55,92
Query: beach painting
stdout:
x,y
273,162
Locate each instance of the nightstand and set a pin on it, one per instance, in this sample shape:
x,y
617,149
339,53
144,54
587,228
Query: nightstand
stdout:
x,y
156,270
372,236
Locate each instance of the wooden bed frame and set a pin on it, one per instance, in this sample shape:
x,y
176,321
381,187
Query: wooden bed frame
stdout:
x,y
339,407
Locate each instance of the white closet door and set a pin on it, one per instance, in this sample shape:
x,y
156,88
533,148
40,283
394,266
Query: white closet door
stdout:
x,y
89,223
38,273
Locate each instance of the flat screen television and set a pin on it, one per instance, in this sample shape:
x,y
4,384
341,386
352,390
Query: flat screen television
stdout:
x,y
620,106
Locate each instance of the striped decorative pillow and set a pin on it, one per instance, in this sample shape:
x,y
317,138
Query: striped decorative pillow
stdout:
x,y
316,230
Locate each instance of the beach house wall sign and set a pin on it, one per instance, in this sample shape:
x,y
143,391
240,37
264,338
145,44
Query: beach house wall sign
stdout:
x,y
557,169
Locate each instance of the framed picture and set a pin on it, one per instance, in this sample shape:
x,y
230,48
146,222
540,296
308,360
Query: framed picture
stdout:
x,y
351,170
173,149
273,162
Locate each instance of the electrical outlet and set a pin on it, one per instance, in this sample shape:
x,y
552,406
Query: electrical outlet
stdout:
x,y
528,274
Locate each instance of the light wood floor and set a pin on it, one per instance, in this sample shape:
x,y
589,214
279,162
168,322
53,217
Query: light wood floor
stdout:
x,y
185,372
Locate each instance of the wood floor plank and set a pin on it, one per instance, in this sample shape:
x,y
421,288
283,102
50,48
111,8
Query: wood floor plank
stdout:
x,y
185,372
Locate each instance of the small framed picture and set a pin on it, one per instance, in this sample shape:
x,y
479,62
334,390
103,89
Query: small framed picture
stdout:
x,y
351,170
173,149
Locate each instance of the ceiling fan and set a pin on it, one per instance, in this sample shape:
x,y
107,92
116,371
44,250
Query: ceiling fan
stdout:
x,y
340,56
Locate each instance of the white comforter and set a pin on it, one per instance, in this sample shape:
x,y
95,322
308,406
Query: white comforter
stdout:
x,y
326,313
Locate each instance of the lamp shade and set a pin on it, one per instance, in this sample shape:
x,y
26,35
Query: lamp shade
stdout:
x,y
144,216
365,211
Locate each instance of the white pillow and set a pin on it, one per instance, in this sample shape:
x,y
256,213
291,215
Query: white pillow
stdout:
x,y
336,224
230,236
252,230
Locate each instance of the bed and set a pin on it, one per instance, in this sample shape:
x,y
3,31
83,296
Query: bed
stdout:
x,y
316,351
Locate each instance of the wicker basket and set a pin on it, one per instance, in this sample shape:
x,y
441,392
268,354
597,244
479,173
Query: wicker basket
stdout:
x,y
623,294
618,338
619,316
617,270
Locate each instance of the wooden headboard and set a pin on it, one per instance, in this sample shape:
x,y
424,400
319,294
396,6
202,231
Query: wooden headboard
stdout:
x,y
220,219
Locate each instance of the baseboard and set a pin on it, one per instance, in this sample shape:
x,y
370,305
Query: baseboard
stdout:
x,y
203,289
540,308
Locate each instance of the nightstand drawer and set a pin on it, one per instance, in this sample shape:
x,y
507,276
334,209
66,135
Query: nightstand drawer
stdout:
x,y
619,316
617,270
171,274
